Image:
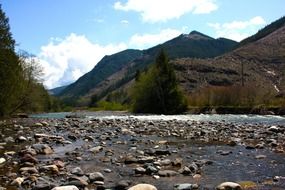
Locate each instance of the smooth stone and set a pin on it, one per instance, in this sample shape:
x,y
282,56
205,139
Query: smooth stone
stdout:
x,y
77,181
185,171
165,162
123,184
140,170
143,187
38,125
98,182
21,139
229,185
77,171
260,156
96,176
52,168
17,182
107,170
68,187
167,173
96,149
2,160
185,186
29,170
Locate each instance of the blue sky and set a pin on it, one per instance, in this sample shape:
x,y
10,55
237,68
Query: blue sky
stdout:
x,y
69,37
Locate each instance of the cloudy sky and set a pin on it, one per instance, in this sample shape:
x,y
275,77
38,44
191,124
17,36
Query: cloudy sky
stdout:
x,y
69,37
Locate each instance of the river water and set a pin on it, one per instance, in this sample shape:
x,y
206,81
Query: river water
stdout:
x,y
229,118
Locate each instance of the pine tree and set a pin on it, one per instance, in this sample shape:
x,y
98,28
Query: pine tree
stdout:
x,y
156,91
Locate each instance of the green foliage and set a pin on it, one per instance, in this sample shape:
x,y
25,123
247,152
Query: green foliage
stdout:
x,y
156,91
20,86
248,96
110,106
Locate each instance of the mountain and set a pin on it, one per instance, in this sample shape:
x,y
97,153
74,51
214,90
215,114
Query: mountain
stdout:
x,y
117,70
258,61
57,90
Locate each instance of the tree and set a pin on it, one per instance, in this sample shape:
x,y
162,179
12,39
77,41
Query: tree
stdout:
x,y
20,87
10,68
156,91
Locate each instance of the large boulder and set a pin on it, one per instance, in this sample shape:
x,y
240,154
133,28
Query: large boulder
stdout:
x,y
68,187
229,186
143,187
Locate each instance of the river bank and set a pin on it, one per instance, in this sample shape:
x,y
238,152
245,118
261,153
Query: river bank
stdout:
x,y
117,153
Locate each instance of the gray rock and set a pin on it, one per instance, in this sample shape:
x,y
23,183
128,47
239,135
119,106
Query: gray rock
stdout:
x,y
185,171
43,184
185,186
167,173
165,162
140,170
96,176
151,170
123,184
77,181
77,171
96,149
21,139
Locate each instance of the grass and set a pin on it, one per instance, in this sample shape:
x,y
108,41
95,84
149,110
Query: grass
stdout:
x,y
110,106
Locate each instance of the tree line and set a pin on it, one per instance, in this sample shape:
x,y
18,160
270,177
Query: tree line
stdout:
x,y
21,89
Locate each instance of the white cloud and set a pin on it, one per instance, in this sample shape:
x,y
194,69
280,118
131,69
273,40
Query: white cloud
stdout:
x,y
65,60
238,30
143,41
163,10
124,21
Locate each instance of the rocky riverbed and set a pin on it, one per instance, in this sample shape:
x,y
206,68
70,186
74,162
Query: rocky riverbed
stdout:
x,y
41,154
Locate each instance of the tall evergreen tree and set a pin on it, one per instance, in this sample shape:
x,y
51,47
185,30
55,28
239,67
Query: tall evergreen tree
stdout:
x,y
156,91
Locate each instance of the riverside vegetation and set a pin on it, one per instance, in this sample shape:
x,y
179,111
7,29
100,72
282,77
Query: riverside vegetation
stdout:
x,y
21,89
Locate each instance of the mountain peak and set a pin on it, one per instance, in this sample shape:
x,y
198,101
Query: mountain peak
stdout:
x,y
197,36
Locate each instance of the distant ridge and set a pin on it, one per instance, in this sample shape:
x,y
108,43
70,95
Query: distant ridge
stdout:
x,y
115,71
264,31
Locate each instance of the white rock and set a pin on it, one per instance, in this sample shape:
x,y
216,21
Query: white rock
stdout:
x,y
68,187
229,185
143,187
2,160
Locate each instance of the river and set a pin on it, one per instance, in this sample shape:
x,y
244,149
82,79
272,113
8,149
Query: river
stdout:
x,y
247,149
229,118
